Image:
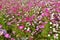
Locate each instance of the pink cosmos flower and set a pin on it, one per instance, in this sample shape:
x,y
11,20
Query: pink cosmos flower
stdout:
x,y
2,32
57,9
26,9
43,14
40,4
30,4
29,18
9,23
7,35
57,4
12,39
41,26
46,10
21,27
0,26
46,13
0,7
37,28
14,9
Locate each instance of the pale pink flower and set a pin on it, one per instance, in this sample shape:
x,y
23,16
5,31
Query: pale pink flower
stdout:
x,y
13,32
30,4
40,4
43,14
8,23
0,26
41,26
2,32
7,35
37,28
21,27
12,39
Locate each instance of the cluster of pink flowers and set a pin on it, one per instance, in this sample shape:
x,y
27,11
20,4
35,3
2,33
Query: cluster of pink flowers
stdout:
x,y
18,13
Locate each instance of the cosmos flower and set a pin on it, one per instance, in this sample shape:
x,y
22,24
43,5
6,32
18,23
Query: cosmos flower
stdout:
x,y
58,9
21,27
2,32
0,7
0,26
30,4
8,23
12,39
7,35
41,26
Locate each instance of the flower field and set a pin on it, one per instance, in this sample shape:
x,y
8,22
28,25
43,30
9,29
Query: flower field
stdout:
x,y
29,19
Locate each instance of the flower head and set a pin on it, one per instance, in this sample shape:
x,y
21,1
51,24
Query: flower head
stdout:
x,y
21,27
12,39
0,26
7,35
2,32
0,7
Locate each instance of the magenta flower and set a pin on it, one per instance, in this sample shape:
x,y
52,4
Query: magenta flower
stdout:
x,y
21,27
0,7
46,13
14,9
7,35
46,10
26,9
29,18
